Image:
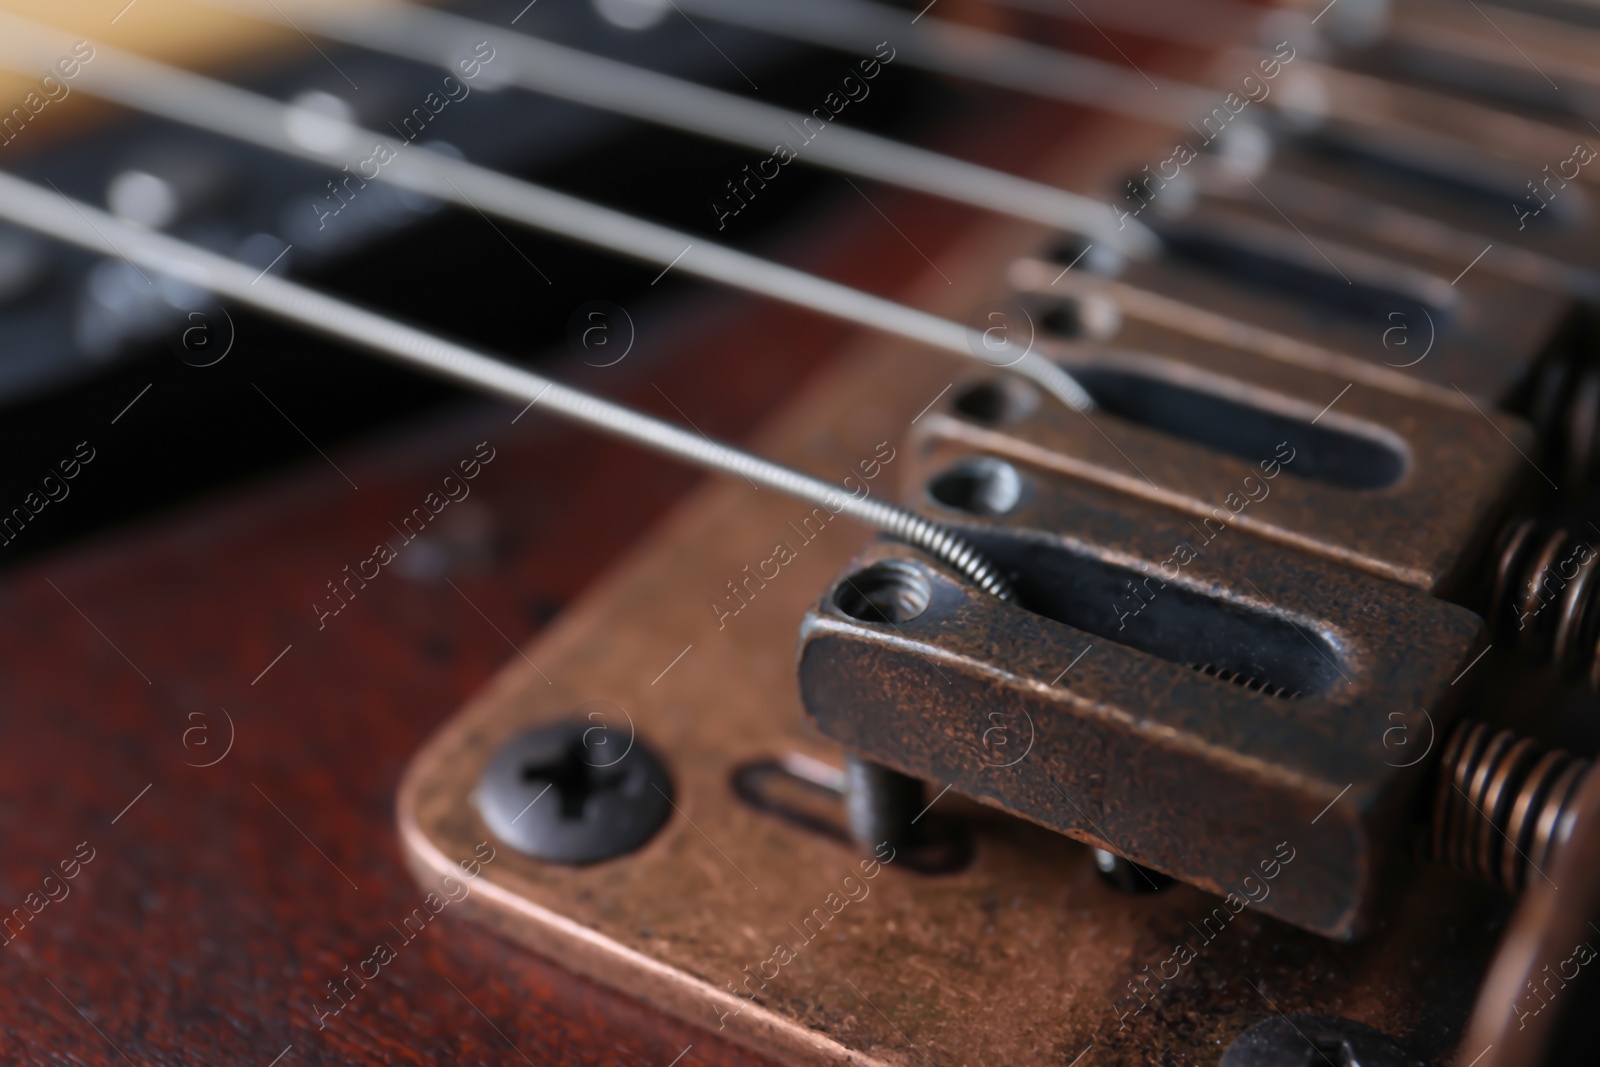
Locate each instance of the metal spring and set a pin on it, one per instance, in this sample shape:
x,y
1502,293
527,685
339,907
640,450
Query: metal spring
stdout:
x,y
939,541
1545,593
1503,805
51,213
1239,678
1566,409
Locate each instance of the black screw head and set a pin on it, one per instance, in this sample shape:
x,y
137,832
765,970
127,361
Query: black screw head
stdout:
x,y
1306,1039
574,792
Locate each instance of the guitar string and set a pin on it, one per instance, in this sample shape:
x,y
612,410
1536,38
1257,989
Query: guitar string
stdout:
x,y
48,212
1216,24
959,51
415,32
434,37
985,57
191,99
955,50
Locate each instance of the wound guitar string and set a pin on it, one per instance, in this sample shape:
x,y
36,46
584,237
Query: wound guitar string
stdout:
x,y
51,213
217,107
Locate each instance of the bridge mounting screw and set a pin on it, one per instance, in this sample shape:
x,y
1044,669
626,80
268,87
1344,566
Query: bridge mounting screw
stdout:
x,y
574,793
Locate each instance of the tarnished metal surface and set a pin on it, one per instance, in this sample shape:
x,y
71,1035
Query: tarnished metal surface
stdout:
x,y
1148,319
1391,485
1298,280
741,921
1379,206
1389,117
1133,747
1416,156
1449,44
1525,1013
1025,957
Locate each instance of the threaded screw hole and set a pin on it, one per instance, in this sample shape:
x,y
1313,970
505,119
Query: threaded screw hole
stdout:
x,y
893,591
998,401
984,486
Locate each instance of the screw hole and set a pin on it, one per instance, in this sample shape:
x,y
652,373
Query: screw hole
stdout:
x,y
1092,317
893,591
985,486
1083,254
998,402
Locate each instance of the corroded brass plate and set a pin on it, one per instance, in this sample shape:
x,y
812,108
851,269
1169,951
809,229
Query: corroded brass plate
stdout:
x,y
773,934
1025,957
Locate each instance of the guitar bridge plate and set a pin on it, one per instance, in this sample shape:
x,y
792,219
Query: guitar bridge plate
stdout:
x,y
774,933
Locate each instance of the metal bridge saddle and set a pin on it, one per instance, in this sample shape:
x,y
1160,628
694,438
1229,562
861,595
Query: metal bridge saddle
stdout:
x,y
1187,702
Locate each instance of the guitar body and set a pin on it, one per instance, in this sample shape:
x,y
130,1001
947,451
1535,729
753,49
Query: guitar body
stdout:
x,y
268,615
220,904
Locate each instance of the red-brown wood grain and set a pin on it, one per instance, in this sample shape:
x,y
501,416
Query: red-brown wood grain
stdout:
x,y
219,904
